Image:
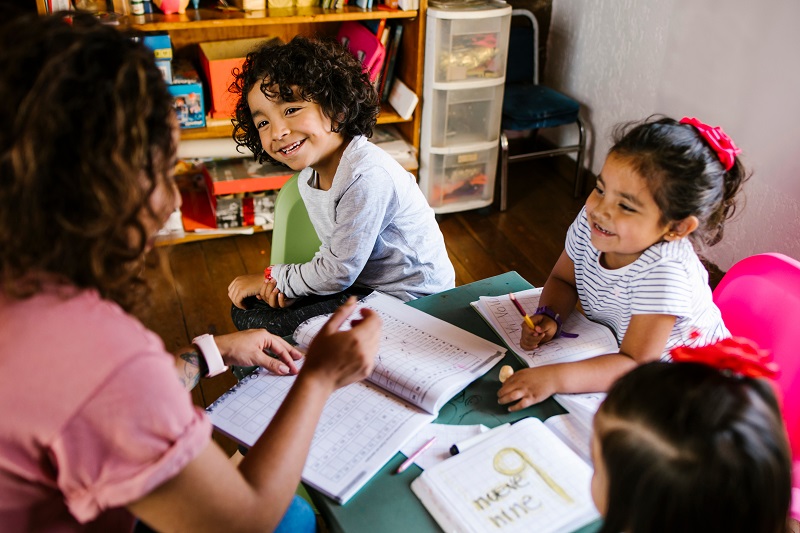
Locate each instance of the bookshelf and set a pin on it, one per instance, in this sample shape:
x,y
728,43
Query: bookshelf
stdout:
x,y
208,23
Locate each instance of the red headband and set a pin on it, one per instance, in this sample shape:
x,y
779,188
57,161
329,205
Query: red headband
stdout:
x,y
719,141
736,354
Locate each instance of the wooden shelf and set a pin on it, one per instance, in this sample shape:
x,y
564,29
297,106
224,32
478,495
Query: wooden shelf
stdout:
x,y
388,116
189,236
215,18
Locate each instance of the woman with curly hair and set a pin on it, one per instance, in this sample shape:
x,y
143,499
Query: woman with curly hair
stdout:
x,y
97,427
308,105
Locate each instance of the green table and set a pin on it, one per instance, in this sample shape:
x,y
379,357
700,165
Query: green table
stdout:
x,y
386,503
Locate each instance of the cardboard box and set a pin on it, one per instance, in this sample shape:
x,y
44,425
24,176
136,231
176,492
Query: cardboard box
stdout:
x,y
218,59
187,94
160,44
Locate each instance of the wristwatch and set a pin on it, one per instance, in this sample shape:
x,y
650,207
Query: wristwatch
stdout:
x,y
546,311
210,353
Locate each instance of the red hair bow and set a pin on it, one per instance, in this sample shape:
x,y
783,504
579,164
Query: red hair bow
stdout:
x,y
736,354
719,141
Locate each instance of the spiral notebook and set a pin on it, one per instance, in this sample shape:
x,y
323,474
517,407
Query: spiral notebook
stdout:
x,y
421,363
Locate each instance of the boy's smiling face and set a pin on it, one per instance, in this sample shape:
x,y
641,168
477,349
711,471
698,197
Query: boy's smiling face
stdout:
x,y
297,134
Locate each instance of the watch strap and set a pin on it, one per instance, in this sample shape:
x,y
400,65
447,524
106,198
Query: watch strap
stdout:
x,y
210,353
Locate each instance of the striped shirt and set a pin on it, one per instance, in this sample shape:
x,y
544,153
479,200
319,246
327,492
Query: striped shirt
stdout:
x,y
667,279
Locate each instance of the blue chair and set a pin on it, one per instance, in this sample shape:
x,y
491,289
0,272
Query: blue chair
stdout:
x,y
294,239
530,106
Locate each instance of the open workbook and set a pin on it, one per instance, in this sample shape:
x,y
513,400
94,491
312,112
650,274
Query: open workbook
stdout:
x,y
421,363
521,479
593,338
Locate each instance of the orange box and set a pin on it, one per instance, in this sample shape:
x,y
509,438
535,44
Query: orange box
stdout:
x,y
218,59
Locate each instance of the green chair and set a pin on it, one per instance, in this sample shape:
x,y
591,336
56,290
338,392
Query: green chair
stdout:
x,y
294,239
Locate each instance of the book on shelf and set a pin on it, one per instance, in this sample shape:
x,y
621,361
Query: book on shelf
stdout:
x,y
501,315
390,140
203,210
364,45
403,99
387,75
522,478
231,176
421,363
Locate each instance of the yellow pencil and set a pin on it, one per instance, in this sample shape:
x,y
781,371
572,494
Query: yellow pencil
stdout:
x,y
519,307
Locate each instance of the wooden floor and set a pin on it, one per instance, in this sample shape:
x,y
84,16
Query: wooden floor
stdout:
x,y
190,289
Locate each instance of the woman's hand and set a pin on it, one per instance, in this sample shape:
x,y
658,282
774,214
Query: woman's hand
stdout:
x,y
344,357
252,347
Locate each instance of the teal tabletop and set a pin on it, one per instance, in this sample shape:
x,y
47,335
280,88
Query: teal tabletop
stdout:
x,y
386,503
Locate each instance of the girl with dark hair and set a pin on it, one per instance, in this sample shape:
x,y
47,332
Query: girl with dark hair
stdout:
x,y
308,105
629,256
694,446
98,427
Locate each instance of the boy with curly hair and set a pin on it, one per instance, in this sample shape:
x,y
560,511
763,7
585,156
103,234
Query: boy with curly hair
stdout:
x,y
308,105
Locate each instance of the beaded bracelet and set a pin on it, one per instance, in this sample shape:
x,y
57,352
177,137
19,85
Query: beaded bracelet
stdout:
x,y
268,274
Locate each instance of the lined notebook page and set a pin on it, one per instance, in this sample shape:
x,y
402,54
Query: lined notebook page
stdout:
x,y
421,358
500,313
361,427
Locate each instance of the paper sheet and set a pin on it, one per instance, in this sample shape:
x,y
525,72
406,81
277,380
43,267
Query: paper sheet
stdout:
x,y
446,435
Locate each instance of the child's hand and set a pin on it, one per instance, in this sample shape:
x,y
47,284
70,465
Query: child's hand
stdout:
x,y
528,386
273,297
244,286
544,330
252,347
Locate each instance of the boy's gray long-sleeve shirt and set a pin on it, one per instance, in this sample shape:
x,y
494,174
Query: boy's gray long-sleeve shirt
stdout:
x,y
376,228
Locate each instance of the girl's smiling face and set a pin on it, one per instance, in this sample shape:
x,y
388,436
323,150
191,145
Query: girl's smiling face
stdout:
x,y
297,134
623,216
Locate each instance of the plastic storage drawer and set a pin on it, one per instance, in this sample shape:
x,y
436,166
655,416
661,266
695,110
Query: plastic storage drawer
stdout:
x,y
465,116
469,48
462,179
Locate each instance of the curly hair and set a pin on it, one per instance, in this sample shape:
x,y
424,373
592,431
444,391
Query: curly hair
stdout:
x,y
321,71
88,135
688,448
683,173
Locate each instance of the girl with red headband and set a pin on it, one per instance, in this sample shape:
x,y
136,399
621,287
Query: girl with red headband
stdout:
x,y
693,446
666,187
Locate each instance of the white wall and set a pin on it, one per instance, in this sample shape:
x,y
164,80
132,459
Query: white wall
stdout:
x,y
733,63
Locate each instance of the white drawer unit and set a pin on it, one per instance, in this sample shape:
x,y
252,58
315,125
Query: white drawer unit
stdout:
x,y
465,63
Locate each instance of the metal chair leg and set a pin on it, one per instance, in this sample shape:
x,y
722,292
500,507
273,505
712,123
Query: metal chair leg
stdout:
x,y
579,186
503,171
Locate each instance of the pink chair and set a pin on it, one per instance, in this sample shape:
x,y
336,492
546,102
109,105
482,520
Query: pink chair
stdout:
x,y
760,299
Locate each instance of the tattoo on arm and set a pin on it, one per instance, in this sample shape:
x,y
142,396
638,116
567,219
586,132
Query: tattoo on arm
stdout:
x,y
194,367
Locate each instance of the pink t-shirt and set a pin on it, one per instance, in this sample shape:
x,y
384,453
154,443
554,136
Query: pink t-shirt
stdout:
x,y
93,414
